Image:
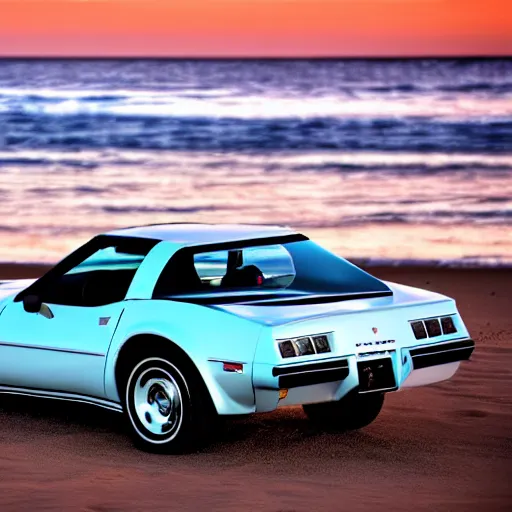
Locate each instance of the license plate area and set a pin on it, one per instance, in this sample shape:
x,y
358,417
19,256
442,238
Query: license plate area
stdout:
x,y
376,375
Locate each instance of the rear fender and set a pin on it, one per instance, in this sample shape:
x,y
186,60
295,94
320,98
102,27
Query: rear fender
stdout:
x,y
208,336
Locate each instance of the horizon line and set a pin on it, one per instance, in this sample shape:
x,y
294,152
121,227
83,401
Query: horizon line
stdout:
x,y
259,58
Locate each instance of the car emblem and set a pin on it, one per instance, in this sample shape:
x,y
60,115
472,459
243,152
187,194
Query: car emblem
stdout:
x,y
375,330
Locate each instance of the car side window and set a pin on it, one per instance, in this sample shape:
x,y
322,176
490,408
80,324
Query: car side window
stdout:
x,y
102,278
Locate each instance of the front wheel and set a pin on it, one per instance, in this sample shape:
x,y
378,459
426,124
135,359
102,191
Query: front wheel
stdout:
x,y
164,406
352,412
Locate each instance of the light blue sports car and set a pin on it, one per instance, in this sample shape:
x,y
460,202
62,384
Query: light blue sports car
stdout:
x,y
177,324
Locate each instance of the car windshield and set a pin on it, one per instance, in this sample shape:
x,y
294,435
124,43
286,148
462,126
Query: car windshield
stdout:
x,y
274,271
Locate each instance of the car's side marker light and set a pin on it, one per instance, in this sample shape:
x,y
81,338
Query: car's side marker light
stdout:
x,y
233,367
283,393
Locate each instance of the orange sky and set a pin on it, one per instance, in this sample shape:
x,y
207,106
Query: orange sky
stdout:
x,y
255,27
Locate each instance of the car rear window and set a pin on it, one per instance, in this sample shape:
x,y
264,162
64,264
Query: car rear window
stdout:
x,y
287,270
219,268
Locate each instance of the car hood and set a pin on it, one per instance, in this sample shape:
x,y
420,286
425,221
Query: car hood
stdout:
x,y
403,296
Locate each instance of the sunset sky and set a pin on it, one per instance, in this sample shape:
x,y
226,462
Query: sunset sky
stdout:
x,y
255,27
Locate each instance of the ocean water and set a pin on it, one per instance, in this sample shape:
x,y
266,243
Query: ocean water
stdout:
x,y
396,160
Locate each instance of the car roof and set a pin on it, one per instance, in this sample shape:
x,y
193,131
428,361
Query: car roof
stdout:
x,y
197,234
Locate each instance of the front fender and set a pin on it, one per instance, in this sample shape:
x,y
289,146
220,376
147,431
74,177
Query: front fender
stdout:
x,y
207,335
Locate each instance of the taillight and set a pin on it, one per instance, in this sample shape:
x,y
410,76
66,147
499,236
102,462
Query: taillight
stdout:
x,y
433,327
305,346
448,325
419,330
287,349
321,344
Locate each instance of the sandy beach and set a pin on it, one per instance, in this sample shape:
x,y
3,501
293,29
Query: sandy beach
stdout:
x,y
447,447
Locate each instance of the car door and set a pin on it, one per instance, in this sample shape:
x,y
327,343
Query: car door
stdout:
x,y
65,353
62,348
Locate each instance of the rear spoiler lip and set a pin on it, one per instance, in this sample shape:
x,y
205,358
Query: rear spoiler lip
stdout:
x,y
215,299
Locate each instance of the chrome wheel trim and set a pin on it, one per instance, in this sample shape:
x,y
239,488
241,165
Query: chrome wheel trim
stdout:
x,y
166,407
157,401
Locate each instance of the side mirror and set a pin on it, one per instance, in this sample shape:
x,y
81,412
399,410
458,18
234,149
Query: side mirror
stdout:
x,y
32,303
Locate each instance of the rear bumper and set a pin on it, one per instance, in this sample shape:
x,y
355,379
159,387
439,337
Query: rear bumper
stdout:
x,y
441,353
331,379
310,374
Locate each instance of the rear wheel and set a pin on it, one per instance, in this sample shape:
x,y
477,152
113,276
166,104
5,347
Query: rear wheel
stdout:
x,y
352,412
166,406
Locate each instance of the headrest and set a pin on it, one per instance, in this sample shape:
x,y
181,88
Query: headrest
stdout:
x,y
249,276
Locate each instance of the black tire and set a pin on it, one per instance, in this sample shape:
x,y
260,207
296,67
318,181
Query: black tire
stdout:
x,y
352,412
166,405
